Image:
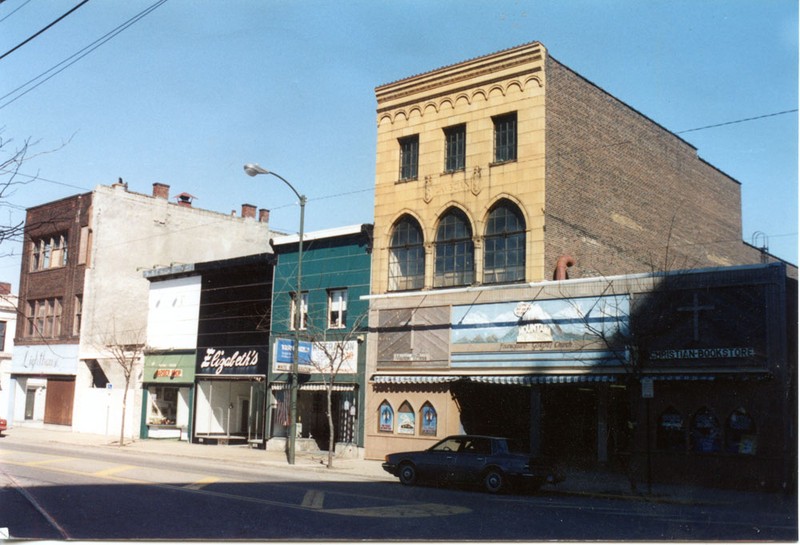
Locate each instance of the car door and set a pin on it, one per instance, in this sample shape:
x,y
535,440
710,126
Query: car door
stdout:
x,y
437,462
470,460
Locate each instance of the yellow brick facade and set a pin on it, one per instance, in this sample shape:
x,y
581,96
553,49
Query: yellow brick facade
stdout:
x,y
469,93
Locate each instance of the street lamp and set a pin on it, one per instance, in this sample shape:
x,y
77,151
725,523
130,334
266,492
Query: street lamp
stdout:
x,y
252,169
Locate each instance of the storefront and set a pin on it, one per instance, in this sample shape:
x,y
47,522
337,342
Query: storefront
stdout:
x,y
43,383
168,387
230,396
315,375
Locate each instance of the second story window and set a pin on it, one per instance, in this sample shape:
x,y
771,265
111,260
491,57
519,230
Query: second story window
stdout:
x,y
77,315
303,312
409,157
406,256
505,138
3,328
504,245
48,252
337,309
43,318
454,251
455,148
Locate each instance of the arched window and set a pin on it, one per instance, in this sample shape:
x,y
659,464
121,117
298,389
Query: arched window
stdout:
x,y
504,245
406,419
705,433
386,417
740,433
454,251
406,256
428,424
671,432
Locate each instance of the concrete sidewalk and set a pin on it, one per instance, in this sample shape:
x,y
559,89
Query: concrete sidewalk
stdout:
x,y
578,483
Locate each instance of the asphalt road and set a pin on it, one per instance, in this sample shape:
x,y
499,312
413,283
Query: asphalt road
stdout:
x,y
73,493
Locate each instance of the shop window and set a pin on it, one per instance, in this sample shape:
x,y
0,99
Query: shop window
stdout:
x,y
740,433
406,419
705,432
386,417
671,432
429,420
163,408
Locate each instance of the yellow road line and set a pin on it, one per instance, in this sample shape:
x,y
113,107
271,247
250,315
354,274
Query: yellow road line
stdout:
x,y
112,471
205,481
48,461
313,499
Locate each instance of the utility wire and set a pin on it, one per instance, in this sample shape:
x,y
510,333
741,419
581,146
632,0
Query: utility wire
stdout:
x,y
737,121
15,11
80,54
4,55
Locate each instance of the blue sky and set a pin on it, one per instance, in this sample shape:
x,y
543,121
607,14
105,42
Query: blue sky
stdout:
x,y
197,88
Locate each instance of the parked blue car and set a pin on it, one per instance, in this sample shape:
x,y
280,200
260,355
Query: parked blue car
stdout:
x,y
472,459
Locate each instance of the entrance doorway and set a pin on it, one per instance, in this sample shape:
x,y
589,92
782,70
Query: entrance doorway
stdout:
x,y
30,403
569,424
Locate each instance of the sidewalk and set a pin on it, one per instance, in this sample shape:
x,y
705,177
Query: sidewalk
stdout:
x,y
578,483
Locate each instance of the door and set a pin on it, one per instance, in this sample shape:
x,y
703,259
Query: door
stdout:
x,y
244,416
30,401
59,400
470,460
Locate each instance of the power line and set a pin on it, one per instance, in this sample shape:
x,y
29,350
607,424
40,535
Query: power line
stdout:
x,y
4,55
80,54
14,11
737,121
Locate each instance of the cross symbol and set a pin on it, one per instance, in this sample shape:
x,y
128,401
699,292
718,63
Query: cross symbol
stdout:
x,y
696,308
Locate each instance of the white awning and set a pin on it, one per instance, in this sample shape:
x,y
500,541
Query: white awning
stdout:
x,y
314,386
519,380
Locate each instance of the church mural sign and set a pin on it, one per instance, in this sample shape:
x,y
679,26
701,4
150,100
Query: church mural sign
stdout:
x,y
577,332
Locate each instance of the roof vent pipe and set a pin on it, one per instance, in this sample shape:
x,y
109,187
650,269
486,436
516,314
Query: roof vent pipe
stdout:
x,y
564,262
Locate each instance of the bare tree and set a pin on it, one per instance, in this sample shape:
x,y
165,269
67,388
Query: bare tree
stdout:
x,y
333,353
126,349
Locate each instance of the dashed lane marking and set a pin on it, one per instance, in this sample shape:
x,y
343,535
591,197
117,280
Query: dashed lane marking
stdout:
x,y
313,499
403,511
202,483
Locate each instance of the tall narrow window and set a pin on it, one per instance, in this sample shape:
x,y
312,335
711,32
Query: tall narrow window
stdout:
x,y
77,314
2,336
337,309
504,245
406,256
386,417
303,311
409,157
454,251
505,138
455,148
428,425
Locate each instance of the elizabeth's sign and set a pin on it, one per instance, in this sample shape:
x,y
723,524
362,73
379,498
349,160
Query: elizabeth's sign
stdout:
x,y
232,361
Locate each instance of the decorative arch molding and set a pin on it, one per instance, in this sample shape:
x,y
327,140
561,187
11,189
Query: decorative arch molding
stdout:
x,y
509,198
481,93
450,206
406,212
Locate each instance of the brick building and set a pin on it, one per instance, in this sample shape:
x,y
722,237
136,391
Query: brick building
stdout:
x,y
494,177
81,290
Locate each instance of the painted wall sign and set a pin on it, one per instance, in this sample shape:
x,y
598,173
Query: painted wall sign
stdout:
x,y
55,359
232,361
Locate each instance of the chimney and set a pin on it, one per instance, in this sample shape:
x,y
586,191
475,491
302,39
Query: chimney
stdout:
x,y
263,215
248,211
160,190
5,288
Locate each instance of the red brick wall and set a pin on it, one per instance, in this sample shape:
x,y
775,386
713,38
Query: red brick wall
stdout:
x,y
63,216
624,195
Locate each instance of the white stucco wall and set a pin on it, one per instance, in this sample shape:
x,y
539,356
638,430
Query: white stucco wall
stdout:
x,y
8,314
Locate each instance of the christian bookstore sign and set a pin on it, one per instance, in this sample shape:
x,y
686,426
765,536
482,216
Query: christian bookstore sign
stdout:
x,y
232,361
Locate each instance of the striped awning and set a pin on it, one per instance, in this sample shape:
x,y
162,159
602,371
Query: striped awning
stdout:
x,y
517,380
680,377
313,386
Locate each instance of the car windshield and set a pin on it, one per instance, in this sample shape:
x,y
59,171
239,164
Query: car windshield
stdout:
x,y
451,444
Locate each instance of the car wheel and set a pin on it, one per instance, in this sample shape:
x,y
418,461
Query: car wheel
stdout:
x,y
494,481
407,474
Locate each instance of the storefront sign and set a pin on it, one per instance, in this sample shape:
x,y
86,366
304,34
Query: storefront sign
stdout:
x,y
169,368
53,359
231,361
703,353
317,357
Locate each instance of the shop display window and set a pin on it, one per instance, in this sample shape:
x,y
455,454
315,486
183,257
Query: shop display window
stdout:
x,y
406,419
163,406
671,432
705,433
428,424
386,417
740,433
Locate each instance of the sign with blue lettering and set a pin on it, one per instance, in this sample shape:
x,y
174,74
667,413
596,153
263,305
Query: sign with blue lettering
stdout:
x,y
284,356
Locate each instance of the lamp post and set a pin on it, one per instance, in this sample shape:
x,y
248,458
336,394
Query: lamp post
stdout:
x,y
252,169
